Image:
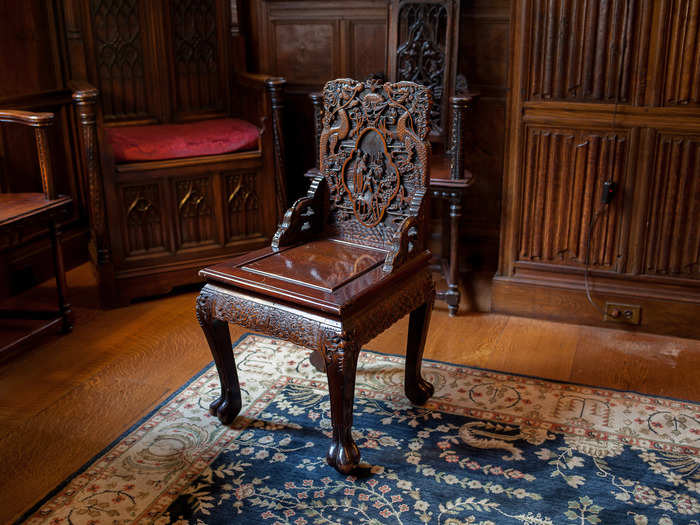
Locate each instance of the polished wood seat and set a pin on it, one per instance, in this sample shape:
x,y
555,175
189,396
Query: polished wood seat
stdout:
x,y
330,275
18,207
20,214
349,259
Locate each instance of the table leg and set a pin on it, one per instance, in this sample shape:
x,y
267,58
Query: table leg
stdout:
x,y
452,294
64,307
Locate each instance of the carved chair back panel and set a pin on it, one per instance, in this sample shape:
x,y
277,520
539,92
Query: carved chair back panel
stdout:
x,y
159,61
198,70
374,154
119,35
423,49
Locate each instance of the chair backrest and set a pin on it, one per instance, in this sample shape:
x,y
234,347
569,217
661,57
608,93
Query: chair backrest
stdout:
x,y
423,45
374,155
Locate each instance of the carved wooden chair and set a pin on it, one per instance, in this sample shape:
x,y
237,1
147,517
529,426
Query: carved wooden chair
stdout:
x,y
21,214
349,259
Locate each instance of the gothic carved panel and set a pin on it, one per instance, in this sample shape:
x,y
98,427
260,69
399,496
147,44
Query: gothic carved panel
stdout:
x,y
116,27
195,213
682,71
196,56
242,205
143,214
422,49
374,156
563,173
583,51
673,232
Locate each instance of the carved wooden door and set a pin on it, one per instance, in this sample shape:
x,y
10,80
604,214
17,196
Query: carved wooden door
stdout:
x,y
603,91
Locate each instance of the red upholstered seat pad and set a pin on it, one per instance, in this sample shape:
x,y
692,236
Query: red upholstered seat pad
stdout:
x,y
174,141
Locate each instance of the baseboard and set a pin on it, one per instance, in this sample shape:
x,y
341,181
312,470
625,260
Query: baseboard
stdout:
x,y
569,304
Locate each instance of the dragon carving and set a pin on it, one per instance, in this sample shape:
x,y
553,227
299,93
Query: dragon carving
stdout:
x,y
374,156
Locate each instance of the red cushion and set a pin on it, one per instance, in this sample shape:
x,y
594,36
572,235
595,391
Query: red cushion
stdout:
x,y
174,141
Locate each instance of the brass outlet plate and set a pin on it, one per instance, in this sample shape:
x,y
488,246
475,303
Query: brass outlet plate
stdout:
x,y
623,313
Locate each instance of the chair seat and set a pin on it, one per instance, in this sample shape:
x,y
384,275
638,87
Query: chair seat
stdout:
x,y
174,141
329,275
16,207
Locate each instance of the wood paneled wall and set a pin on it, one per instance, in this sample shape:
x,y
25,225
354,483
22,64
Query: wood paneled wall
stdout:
x,y
310,42
483,58
603,91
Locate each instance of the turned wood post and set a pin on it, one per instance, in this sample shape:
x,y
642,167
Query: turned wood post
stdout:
x,y
275,89
85,100
317,101
460,105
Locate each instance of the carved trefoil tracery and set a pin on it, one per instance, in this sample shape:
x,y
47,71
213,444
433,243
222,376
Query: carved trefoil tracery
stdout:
x,y
142,214
374,157
196,55
116,27
421,51
194,211
242,205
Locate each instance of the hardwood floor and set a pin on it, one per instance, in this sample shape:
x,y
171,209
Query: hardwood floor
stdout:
x,y
64,401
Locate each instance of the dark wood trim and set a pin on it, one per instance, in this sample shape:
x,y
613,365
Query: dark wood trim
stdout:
x,y
565,303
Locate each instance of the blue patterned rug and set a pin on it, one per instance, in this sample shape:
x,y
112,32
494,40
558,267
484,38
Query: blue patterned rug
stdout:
x,y
489,448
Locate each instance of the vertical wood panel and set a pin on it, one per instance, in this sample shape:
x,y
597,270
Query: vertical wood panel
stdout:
x,y
118,30
682,72
563,176
241,205
196,56
583,50
143,220
673,234
195,211
367,48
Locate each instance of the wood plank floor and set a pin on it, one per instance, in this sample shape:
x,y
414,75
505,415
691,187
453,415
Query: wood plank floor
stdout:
x,y
65,400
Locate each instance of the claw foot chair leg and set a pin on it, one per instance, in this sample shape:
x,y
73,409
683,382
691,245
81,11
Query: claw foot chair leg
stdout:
x,y
227,406
418,390
341,367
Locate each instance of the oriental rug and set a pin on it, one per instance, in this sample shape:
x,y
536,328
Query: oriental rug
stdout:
x,y
488,448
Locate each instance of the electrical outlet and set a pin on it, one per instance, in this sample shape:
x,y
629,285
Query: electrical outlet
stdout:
x,y
623,313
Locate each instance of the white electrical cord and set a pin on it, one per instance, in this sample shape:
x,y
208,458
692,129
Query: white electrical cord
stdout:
x,y
586,263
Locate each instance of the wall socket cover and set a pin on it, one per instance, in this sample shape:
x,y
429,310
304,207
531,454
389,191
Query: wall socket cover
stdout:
x,y
623,313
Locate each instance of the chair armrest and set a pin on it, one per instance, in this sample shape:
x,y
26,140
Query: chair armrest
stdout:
x,y
259,80
40,122
408,239
306,218
26,118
